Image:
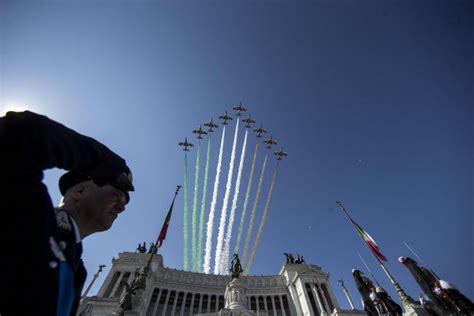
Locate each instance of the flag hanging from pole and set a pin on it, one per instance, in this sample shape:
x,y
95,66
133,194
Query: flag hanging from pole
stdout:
x,y
365,236
164,229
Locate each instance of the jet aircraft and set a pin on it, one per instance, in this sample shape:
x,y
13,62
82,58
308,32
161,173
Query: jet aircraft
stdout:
x,y
270,142
280,154
185,144
211,125
239,109
248,121
260,131
199,132
225,117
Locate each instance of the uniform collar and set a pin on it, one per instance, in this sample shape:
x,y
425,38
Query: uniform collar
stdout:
x,y
66,221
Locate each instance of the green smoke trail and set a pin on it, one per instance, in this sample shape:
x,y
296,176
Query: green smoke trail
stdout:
x,y
203,207
247,195
194,215
185,220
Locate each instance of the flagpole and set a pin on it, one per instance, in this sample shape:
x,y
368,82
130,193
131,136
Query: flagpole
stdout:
x,y
139,282
421,260
155,245
406,300
154,249
373,276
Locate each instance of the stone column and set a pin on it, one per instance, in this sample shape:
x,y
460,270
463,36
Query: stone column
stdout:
x,y
200,303
323,297
296,299
165,307
348,297
173,309
283,312
318,298
191,307
119,279
157,301
273,304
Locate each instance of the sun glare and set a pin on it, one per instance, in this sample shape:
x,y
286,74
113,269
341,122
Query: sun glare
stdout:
x,y
13,107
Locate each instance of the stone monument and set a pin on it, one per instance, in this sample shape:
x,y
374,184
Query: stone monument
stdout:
x,y
235,295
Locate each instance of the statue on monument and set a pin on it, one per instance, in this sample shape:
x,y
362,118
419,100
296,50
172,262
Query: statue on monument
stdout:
x,y
130,289
289,258
153,249
138,283
299,259
141,248
236,267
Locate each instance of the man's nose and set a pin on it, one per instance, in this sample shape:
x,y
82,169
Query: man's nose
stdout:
x,y
120,207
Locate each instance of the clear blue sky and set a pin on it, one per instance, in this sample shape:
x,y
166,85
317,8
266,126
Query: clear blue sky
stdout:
x,y
373,102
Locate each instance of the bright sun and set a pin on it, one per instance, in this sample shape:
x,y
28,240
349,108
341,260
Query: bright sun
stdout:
x,y
13,107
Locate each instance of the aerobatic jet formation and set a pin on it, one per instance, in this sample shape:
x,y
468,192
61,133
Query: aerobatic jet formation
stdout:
x,y
185,144
239,109
225,118
270,142
199,132
211,125
248,121
259,131
202,241
280,154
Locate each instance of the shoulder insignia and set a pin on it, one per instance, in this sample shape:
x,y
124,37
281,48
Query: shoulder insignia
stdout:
x,y
63,221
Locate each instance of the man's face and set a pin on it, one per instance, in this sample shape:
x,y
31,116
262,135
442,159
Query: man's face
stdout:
x,y
101,205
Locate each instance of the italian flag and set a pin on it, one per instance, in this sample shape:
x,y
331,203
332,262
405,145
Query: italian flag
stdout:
x,y
164,229
368,240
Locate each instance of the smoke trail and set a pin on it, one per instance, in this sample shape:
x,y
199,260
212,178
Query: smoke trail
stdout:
x,y
210,221
194,215
185,220
247,195
225,257
263,220
203,207
228,187
254,209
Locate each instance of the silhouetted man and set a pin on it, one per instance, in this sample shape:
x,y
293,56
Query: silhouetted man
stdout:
x,y
42,273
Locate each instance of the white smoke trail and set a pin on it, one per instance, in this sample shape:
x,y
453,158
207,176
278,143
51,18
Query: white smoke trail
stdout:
x,y
262,221
225,257
254,209
247,195
210,221
228,187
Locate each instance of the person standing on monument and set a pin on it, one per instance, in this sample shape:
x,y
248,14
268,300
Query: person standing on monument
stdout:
x,y
41,245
